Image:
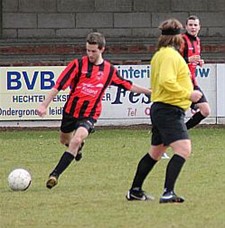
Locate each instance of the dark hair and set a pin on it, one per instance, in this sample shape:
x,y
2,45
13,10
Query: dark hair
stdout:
x,y
170,39
192,17
96,38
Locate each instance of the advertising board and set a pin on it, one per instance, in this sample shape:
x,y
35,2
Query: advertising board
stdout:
x,y
23,88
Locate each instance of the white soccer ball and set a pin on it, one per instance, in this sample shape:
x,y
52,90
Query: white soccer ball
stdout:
x,y
19,180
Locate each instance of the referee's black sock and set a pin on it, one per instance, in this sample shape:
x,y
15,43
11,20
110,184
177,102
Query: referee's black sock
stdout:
x,y
63,163
172,172
195,120
144,167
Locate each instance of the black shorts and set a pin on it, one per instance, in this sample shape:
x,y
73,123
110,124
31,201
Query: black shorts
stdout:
x,y
167,124
201,100
69,123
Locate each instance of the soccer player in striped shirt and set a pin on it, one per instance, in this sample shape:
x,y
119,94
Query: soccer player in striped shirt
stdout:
x,y
192,56
88,79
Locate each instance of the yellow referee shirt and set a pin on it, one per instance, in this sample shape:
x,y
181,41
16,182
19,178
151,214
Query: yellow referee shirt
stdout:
x,y
170,78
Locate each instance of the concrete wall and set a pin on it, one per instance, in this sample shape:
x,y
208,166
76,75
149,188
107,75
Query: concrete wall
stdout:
x,y
51,32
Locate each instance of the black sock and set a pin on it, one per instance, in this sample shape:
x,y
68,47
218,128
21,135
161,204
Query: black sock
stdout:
x,y
144,167
172,172
195,120
63,163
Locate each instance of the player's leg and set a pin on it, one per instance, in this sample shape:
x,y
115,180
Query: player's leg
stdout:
x,y
203,110
67,128
147,162
201,114
77,140
89,125
182,150
80,130
79,155
65,138
144,167
68,156
177,138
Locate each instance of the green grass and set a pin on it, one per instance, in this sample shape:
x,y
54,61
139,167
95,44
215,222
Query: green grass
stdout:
x,y
91,193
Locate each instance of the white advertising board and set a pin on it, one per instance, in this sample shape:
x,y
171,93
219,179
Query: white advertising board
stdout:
x,y
23,88
207,80
220,90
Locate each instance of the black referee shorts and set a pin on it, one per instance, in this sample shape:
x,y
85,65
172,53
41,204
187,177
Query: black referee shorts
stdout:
x,y
167,124
69,123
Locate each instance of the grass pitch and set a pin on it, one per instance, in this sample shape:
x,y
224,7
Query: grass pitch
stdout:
x,y
91,193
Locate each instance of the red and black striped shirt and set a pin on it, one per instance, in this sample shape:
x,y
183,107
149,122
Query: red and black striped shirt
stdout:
x,y
192,47
88,83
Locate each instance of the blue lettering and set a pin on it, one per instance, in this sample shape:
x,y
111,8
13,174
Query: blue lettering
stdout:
x,y
137,73
132,97
30,85
47,81
13,80
131,72
202,72
120,91
143,100
147,100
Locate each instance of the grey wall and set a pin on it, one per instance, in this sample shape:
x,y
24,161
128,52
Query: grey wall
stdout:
x,y
123,22
115,18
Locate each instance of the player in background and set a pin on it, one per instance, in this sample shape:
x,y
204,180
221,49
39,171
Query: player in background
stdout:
x,y
192,56
172,94
87,79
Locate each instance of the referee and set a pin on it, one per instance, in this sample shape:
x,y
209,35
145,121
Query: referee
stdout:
x,y
172,94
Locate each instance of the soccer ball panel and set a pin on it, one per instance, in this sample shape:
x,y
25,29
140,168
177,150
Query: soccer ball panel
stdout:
x,y
19,180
